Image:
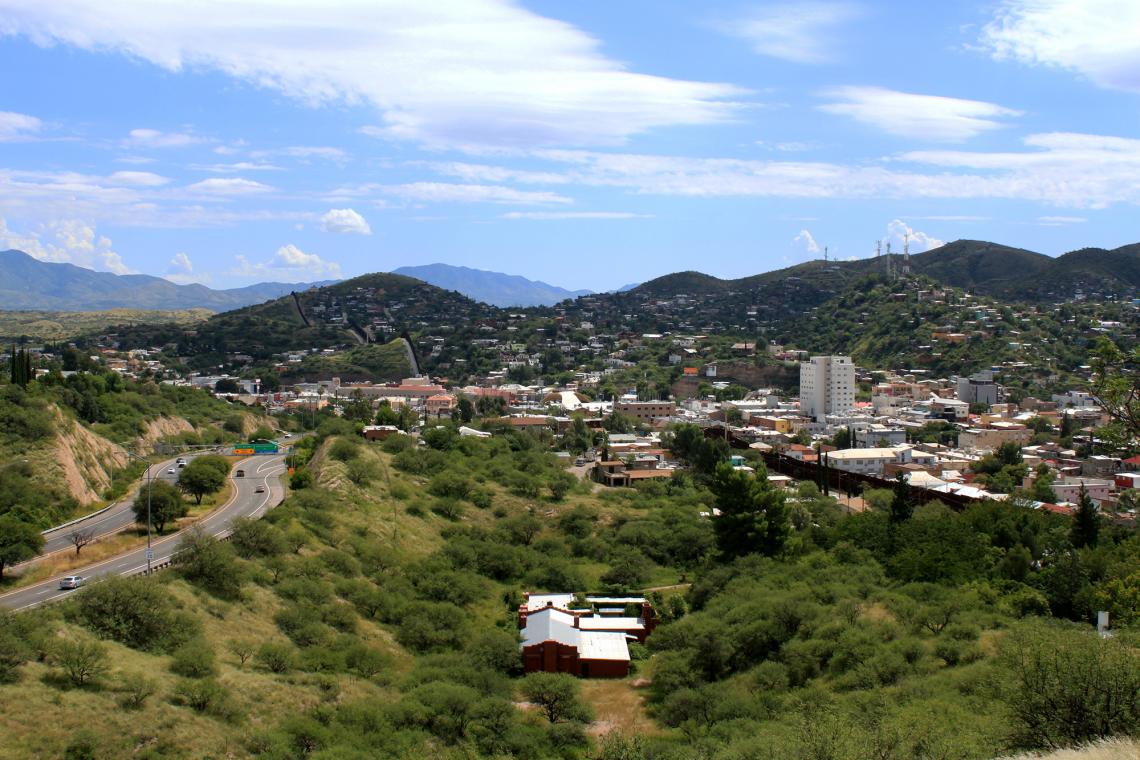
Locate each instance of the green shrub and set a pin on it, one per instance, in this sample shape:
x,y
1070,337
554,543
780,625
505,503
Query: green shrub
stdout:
x,y
194,659
276,657
135,611
135,689
205,695
82,661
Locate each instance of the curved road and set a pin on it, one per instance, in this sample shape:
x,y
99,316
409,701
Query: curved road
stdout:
x,y
106,522
245,502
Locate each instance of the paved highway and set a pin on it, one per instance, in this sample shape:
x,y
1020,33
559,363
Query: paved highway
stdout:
x,y
261,472
111,520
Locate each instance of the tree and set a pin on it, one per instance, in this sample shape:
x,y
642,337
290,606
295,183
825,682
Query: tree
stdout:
x,y
166,504
902,502
1068,687
1086,521
80,537
464,410
1116,389
556,694
19,541
201,477
82,661
753,515
206,561
1042,489
227,385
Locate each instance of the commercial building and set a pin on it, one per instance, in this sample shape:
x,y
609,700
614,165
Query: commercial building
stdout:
x,y
646,411
978,388
827,386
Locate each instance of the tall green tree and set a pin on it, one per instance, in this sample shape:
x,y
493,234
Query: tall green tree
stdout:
x,y
19,541
200,478
753,515
166,504
902,502
1085,529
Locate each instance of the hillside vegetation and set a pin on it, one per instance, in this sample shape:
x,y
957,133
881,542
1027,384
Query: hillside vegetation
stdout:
x,y
373,615
62,438
62,325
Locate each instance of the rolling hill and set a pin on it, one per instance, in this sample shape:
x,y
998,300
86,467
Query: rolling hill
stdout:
x,y
494,288
28,284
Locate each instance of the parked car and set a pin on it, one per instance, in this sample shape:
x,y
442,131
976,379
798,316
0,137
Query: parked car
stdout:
x,y
71,581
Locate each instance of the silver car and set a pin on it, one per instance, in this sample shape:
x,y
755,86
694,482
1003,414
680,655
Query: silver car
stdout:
x,y
71,581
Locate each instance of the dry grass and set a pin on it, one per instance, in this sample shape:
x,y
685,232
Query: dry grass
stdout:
x,y
1111,749
617,706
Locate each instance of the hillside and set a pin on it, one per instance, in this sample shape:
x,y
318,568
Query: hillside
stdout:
x,y
62,439
62,325
28,284
493,288
374,614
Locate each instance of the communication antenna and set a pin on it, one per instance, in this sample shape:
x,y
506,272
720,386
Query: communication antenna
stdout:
x,y
890,269
906,254
825,254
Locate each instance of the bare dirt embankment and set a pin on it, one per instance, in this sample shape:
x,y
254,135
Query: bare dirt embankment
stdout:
x,y
163,427
82,461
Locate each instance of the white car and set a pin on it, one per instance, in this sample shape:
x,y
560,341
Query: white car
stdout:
x,y
71,581
170,471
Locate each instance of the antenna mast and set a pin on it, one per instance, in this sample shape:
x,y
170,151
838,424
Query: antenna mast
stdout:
x,y
890,272
906,254
825,254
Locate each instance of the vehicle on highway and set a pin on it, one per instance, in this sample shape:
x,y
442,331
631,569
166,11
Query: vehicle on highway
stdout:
x,y
180,460
239,474
259,489
170,471
71,581
181,465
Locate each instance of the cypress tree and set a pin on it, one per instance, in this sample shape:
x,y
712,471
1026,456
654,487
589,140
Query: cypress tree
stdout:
x,y
1086,521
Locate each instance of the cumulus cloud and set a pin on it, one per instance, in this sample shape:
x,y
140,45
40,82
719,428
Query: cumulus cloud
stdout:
x,y
444,192
556,215
804,32
180,264
180,270
899,233
66,241
228,186
1096,38
289,264
454,73
345,221
153,138
14,126
927,117
805,242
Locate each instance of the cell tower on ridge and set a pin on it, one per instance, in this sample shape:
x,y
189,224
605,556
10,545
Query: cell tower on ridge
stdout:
x,y
906,255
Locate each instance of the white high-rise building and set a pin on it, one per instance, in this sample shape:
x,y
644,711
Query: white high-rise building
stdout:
x,y
827,386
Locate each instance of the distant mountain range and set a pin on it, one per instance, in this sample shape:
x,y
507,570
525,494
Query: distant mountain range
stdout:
x,y
28,284
494,288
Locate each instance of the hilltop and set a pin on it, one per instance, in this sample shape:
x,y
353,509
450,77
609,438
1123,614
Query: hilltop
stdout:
x,y
493,288
26,283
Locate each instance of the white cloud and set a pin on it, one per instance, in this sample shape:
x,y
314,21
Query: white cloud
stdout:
x,y
140,179
288,264
240,166
1096,38
900,233
486,173
448,73
345,221
1060,221
228,186
180,270
443,192
14,126
806,242
66,241
557,215
180,264
316,151
802,32
152,138
929,117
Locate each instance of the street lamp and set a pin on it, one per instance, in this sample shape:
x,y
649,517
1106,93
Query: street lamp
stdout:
x,y
149,553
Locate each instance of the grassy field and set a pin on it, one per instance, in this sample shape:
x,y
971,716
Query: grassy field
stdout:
x,y
61,325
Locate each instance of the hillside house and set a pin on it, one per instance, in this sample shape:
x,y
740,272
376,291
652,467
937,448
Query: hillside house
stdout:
x,y
589,643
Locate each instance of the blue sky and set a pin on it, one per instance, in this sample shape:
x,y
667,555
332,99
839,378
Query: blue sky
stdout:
x,y
585,144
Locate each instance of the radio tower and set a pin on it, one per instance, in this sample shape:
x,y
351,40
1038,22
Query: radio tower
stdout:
x,y
906,255
890,269
825,254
